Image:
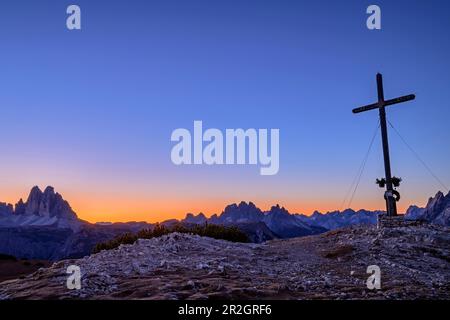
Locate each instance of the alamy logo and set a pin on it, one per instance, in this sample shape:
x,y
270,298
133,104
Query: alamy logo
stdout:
x,y
374,20
374,280
239,146
73,21
74,280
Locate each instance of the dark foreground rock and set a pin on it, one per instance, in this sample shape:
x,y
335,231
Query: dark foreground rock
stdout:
x,y
414,263
12,268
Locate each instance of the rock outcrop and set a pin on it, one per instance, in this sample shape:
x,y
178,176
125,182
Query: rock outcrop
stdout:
x,y
48,204
414,212
437,210
41,209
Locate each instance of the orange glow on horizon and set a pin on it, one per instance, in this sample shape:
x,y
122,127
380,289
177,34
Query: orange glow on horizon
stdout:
x,y
157,212
160,211
107,208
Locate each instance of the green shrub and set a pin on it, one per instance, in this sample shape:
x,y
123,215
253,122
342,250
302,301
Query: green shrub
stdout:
x,y
127,238
229,233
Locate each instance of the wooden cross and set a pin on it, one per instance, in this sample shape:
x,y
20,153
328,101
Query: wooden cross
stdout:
x,y
391,207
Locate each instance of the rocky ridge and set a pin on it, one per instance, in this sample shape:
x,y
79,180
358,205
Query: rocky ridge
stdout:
x,y
414,263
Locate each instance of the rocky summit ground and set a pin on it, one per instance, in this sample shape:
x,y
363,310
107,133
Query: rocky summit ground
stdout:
x,y
414,263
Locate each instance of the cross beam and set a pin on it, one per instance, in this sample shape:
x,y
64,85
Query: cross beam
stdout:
x,y
391,207
386,103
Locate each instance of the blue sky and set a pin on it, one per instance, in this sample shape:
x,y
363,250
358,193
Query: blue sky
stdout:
x,y
91,111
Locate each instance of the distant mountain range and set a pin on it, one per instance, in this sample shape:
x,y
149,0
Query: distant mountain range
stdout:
x,y
46,227
278,220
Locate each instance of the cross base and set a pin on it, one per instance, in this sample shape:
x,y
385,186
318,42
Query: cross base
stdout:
x,y
385,221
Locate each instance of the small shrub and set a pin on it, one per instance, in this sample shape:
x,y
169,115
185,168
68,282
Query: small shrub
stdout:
x,y
127,238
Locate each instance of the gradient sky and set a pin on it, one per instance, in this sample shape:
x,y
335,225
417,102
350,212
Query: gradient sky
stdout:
x,y
91,112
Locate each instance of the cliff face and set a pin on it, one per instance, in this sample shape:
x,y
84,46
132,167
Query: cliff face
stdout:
x,y
48,204
38,228
437,210
41,209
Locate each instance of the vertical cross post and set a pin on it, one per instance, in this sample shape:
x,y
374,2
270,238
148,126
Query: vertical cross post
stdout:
x,y
391,205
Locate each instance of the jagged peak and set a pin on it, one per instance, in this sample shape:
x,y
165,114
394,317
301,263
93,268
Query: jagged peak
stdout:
x,y
192,215
49,190
231,206
34,193
437,198
241,205
278,208
439,194
244,204
35,189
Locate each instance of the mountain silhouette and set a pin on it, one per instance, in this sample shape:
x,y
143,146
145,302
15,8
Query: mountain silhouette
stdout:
x,y
46,227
